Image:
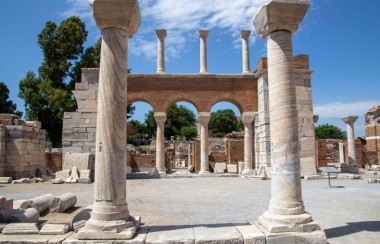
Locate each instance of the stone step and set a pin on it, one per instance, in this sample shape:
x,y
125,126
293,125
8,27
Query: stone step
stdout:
x,y
20,229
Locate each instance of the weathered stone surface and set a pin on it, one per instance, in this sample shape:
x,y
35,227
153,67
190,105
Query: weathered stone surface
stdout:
x,y
54,229
170,234
220,168
85,173
5,204
62,203
308,166
217,234
41,203
349,176
22,204
231,168
64,174
21,181
5,180
84,181
251,234
79,225
312,177
83,161
57,181
20,228
29,215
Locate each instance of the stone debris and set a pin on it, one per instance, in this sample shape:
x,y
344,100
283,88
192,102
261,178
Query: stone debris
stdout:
x,y
232,168
64,174
54,229
62,203
74,177
79,225
312,177
371,172
41,203
57,181
22,204
373,180
349,176
220,168
36,180
20,229
6,204
29,215
5,180
21,181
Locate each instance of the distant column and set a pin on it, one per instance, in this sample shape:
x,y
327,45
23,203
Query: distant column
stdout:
x,y
204,118
160,118
161,34
203,34
341,153
248,119
244,35
350,120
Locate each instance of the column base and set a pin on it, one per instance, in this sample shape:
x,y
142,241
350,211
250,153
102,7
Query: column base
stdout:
x,y
109,230
204,172
248,171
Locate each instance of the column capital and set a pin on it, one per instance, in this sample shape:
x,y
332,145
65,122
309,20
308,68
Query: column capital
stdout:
x,y
117,14
161,33
350,119
203,33
160,118
204,117
244,34
315,118
249,117
280,15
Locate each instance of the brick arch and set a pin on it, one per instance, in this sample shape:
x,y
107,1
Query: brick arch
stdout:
x,y
181,97
230,100
139,99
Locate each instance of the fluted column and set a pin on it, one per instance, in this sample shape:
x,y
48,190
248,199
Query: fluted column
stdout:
x,y
203,34
350,120
160,118
161,34
244,35
248,118
204,118
110,217
275,23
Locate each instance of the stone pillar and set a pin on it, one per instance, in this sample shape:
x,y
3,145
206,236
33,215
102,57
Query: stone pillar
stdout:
x,y
350,120
204,118
244,35
110,219
160,118
2,150
248,118
341,153
203,51
189,158
286,216
161,34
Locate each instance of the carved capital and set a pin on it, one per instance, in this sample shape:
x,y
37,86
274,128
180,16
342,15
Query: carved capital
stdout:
x,y
280,15
161,34
160,118
350,119
204,118
244,34
249,117
203,33
117,14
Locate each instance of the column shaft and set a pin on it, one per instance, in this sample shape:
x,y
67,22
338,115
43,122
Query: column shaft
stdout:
x,y
161,34
203,51
248,118
351,145
160,142
204,119
244,34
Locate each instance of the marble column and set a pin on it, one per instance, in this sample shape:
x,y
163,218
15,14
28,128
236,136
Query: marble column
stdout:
x,y
248,118
161,34
350,120
110,217
341,153
160,118
203,34
204,118
275,22
189,158
244,35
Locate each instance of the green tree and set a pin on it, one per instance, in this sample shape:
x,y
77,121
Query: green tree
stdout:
x,y
7,106
47,95
189,132
223,121
136,129
177,118
329,132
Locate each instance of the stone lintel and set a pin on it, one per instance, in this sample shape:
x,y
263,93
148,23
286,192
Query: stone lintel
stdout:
x,y
350,119
280,15
123,14
249,117
161,33
203,33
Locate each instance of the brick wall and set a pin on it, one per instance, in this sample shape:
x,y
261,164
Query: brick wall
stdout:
x,y
25,144
235,152
141,162
53,161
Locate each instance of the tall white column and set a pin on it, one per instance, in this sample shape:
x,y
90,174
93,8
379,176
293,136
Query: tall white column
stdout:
x,y
350,120
286,216
248,118
204,118
244,35
203,34
110,217
161,34
160,118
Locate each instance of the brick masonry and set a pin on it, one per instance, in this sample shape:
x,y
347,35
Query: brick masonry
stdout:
x,y
22,147
372,128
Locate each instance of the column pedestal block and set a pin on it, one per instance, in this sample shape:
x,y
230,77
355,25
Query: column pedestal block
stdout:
x,y
248,172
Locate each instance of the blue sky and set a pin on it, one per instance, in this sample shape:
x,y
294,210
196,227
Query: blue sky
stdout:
x,y
341,37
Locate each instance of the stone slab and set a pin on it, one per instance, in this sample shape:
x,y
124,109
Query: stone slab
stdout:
x,y
349,176
308,166
217,234
312,177
220,168
20,229
54,229
315,237
58,239
170,234
2,227
231,168
251,234
64,174
5,180
79,160
26,239
85,173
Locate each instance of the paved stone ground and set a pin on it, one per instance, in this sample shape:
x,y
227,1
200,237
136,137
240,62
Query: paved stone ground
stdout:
x,y
348,214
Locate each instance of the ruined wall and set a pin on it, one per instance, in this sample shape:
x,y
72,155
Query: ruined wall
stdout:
x,y
235,152
372,128
24,146
2,150
53,161
142,162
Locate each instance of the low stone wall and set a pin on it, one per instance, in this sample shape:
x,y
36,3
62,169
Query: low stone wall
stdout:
x,y
23,150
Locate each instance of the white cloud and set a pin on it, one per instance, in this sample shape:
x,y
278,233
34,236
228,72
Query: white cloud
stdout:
x,y
340,109
182,19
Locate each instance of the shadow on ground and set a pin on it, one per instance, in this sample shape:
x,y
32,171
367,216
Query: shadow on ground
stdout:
x,y
353,227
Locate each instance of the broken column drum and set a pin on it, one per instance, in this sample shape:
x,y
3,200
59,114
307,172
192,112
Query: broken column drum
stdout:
x,y
110,219
160,119
62,203
41,203
276,22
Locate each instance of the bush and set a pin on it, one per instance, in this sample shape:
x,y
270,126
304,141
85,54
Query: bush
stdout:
x,y
219,135
189,132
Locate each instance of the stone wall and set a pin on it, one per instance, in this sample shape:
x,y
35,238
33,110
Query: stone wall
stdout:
x,y
372,128
142,162
23,150
3,130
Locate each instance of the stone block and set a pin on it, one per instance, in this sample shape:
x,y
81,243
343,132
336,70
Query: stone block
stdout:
x,y
312,177
232,168
251,234
20,228
240,167
170,234
54,229
85,173
5,180
83,161
84,180
64,174
5,204
218,234
220,168
308,166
